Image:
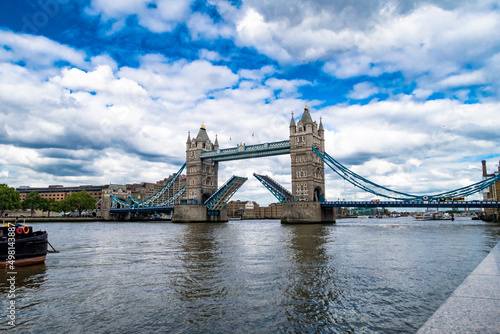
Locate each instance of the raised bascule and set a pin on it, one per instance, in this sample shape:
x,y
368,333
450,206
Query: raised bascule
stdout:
x,y
204,201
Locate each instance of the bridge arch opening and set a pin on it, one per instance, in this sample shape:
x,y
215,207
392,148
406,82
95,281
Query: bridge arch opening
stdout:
x,y
204,197
317,195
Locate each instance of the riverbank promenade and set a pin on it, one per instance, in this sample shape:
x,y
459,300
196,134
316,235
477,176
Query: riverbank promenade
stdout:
x,y
474,307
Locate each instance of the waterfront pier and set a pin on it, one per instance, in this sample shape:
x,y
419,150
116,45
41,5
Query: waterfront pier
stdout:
x,y
474,307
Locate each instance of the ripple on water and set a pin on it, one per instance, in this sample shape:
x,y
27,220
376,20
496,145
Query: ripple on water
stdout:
x,y
370,276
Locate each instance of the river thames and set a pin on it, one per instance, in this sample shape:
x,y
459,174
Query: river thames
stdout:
x,y
356,276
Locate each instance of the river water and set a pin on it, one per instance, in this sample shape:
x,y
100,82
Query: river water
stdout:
x,y
356,276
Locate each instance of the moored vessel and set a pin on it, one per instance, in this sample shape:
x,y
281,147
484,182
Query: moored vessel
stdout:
x,y
21,246
434,215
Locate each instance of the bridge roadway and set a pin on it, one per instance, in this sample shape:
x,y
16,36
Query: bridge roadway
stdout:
x,y
353,204
142,209
412,204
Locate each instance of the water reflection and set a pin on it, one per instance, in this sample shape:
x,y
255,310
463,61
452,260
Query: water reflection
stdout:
x,y
30,277
200,285
26,279
315,288
254,276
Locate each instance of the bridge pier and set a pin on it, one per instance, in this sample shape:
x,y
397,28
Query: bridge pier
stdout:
x,y
303,212
197,214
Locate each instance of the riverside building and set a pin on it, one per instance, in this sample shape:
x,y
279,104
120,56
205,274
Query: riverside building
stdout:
x,y
59,192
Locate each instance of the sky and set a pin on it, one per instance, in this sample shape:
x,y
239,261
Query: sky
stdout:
x,y
99,92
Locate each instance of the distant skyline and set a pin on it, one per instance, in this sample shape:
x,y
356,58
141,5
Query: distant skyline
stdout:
x,y
98,92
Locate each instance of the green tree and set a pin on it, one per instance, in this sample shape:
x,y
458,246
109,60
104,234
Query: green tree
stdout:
x,y
80,201
51,205
65,206
9,199
33,201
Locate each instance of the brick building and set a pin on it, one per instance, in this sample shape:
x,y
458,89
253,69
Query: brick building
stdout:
x,y
144,190
252,210
59,192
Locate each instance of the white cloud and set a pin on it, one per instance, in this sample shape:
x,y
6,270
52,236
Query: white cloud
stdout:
x,y
101,79
201,26
287,88
464,79
160,16
111,124
363,90
181,83
427,43
125,124
210,55
36,50
4,173
427,142
422,93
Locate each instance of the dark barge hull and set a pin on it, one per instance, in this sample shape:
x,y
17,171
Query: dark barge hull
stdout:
x,y
30,250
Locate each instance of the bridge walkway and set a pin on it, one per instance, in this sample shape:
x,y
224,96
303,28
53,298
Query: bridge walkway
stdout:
x,y
474,307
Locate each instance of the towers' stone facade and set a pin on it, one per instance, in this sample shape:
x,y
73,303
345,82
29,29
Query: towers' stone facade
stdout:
x,y
308,170
491,194
201,175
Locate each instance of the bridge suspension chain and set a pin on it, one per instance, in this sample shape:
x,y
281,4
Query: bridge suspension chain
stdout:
x,y
379,190
360,181
156,198
174,197
119,201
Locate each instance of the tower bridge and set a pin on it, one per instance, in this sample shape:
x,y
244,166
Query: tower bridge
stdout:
x,y
302,204
203,201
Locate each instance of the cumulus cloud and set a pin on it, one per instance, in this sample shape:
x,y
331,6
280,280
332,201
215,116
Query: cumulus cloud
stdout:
x,y
36,51
122,124
4,173
422,138
211,55
363,90
159,16
121,113
201,26
426,42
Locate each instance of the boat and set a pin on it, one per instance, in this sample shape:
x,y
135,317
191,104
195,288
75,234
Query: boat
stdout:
x,y
475,216
434,215
21,246
447,216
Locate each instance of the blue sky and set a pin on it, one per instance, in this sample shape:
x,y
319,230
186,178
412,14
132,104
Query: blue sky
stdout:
x,y
93,92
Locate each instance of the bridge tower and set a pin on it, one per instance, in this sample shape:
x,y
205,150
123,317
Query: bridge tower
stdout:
x,y
308,173
308,170
201,175
201,180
